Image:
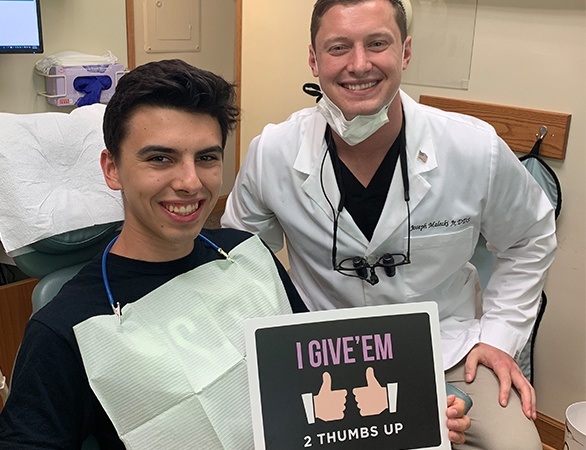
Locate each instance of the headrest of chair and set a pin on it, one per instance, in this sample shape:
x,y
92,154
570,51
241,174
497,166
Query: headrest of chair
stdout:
x,y
66,249
52,181
74,240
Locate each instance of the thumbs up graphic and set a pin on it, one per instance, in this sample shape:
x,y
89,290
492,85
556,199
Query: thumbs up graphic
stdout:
x,y
329,404
373,398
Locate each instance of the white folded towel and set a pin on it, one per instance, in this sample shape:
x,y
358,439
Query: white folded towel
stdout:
x,y
50,176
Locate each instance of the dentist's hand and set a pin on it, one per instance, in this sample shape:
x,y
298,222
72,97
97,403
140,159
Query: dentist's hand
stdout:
x,y
507,371
329,405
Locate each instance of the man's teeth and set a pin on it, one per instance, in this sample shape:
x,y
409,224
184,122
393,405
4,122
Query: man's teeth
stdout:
x,y
359,87
183,210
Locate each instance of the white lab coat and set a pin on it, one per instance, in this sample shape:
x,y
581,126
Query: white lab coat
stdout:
x,y
464,180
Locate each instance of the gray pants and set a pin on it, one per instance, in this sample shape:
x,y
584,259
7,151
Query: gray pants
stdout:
x,y
493,427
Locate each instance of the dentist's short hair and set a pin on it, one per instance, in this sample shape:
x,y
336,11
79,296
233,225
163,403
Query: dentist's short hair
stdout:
x,y
171,84
323,6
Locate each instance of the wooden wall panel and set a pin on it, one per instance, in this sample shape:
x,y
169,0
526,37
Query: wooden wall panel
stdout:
x,y
551,431
517,126
15,310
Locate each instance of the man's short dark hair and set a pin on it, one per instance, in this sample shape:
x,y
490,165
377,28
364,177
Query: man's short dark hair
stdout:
x,y
171,84
322,6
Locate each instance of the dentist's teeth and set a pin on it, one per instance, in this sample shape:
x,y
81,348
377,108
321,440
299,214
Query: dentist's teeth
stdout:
x,y
359,87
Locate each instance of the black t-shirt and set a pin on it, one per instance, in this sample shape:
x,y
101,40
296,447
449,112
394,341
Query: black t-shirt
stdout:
x,y
365,204
51,405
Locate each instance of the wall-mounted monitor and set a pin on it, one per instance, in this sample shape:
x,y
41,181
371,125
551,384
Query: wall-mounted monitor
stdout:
x,y
20,26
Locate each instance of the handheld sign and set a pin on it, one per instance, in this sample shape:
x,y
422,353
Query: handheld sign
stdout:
x,y
356,378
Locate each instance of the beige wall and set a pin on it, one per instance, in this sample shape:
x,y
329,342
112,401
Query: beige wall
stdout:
x,y
85,26
528,53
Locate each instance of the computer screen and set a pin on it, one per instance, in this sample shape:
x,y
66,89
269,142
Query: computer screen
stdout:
x,y
20,26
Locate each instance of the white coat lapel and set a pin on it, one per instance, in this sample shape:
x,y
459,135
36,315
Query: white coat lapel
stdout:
x,y
309,162
421,159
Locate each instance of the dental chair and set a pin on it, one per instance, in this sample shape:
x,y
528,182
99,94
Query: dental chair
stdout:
x,y
56,212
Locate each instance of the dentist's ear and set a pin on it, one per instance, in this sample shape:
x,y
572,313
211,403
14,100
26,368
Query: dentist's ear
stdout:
x,y
407,52
313,61
110,170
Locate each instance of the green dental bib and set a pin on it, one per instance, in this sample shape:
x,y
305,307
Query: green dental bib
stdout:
x,y
172,372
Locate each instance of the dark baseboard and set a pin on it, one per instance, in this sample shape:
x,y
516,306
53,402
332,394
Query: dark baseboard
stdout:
x,y
551,431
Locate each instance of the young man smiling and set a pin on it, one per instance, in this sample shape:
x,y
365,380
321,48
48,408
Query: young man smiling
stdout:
x,y
170,180
382,200
144,347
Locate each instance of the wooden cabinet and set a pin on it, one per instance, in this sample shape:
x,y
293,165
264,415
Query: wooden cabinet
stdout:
x,y
15,310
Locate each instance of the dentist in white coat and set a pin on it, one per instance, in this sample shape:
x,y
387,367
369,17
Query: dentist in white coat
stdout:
x,y
382,201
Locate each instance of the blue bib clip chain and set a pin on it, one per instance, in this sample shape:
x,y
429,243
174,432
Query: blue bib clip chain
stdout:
x,y
116,305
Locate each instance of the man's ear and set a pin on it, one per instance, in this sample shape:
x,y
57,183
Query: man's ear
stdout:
x,y
313,61
110,170
407,52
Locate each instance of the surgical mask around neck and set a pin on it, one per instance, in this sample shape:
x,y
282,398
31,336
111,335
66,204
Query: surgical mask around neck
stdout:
x,y
358,129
